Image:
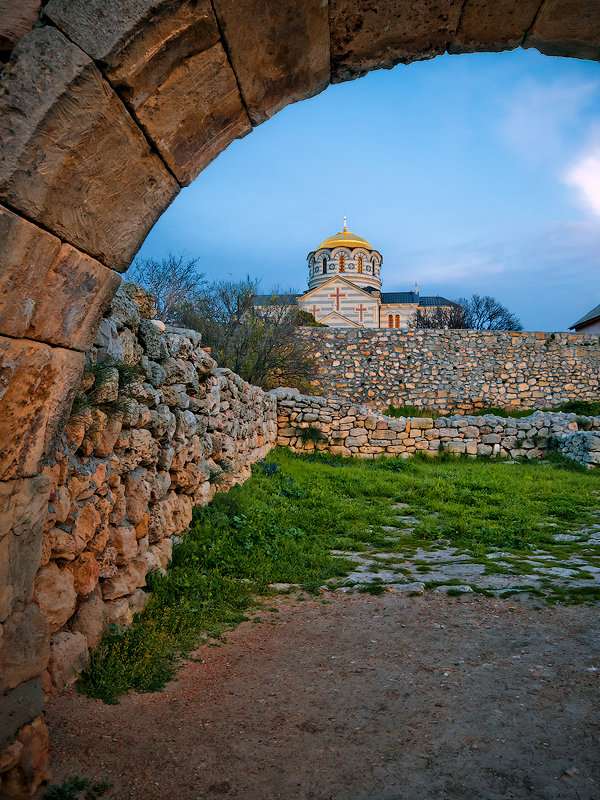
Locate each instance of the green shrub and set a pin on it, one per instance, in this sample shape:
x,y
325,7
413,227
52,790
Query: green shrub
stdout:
x,y
586,408
311,434
413,411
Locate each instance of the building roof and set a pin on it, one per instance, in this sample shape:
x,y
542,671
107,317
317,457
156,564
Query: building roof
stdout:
x,y
591,315
345,239
275,300
413,297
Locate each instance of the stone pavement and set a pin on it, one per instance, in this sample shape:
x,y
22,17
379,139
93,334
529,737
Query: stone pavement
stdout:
x,y
443,568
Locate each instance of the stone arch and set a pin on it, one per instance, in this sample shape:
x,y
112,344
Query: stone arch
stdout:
x,y
108,108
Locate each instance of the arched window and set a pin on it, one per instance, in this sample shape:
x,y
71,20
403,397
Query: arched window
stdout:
x,y
360,263
342,264
324,264
391,321
397,320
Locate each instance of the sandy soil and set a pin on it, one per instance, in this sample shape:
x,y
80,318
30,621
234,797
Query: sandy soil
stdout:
x,y
385,698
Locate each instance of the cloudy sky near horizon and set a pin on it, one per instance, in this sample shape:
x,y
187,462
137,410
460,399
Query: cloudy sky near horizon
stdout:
x,y
476,173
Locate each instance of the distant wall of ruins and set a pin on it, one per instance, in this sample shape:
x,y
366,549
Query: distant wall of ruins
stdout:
x,y
456,370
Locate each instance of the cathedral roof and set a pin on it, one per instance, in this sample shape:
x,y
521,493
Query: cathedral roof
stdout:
x,y
413,297
345,239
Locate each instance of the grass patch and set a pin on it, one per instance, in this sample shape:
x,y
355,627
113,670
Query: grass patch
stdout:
x,y
413,411
282,524
587,408
516,413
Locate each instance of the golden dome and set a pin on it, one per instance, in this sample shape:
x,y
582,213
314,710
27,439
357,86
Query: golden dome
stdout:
x,y
345,239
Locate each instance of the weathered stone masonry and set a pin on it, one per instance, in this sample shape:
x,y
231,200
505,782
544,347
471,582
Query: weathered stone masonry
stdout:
x,y
306,424
120,484
456,370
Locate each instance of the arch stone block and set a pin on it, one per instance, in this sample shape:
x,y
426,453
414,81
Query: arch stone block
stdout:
x,y
196,113
16,19
72,157
137,43
383,34
567,28
493,25
279,51
37,385
23,510
49,291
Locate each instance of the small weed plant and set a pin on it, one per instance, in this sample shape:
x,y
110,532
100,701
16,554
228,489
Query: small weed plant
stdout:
x,y
77,788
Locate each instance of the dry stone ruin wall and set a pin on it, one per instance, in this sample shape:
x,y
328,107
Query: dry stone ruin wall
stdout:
x,y
332,424
137,455
456,370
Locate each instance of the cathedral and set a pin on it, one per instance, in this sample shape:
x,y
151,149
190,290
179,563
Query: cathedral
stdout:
x,y
344,288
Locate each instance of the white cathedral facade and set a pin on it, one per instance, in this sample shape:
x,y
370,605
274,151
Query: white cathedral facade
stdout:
x,y
344,287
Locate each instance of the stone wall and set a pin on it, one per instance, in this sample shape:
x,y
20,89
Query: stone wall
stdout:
x,y
456,371
133,462
307,423
582,446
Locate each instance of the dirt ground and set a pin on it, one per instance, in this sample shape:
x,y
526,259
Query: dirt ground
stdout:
x,y
381,697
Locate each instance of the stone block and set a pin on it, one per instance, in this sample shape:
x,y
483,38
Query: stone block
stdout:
x,y
33,767
16,19
119,612
566,29
196,113
491,438
493,25
24,647
38,384
366,37
124,540
68,656
279,51
23,510
90,617
18,707
455,447
107,341
421,423
99,186
49,291
125,582
86,573
55,594
138,44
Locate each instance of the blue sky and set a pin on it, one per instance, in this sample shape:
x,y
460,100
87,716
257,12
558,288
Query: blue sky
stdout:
x,y
476,173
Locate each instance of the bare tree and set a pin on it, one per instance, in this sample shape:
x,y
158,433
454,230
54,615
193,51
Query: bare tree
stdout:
x,y
439,317
173,282
474,313
259,342
488,314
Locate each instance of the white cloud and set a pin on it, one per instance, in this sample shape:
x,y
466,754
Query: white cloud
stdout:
x,y
537,117
584,175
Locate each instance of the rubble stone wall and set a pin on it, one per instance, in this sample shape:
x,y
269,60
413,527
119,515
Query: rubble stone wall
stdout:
x,y
456,371
335,425
157,428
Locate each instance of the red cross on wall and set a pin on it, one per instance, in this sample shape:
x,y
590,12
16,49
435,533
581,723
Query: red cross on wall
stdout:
x,y
336,296
361,310
314,310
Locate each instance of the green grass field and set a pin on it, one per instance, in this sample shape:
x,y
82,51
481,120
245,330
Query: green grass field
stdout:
x,y
283,523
